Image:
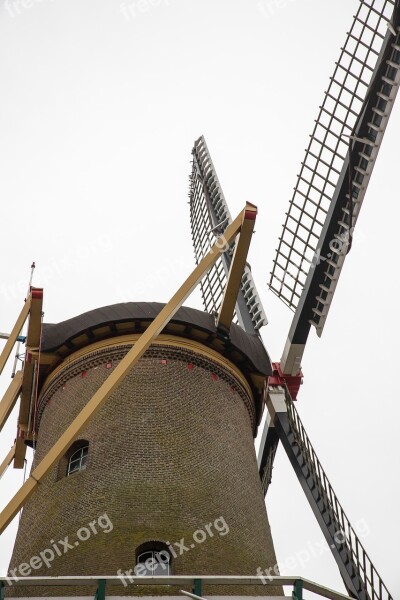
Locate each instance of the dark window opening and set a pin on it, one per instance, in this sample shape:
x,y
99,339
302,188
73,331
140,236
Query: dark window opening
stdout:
x,y
153,559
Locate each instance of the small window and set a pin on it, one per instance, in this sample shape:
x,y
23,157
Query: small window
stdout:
x,y
154,559
74,460
77,460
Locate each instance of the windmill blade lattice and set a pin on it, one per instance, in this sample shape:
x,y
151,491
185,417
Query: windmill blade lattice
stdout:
x,y
209,217
337,166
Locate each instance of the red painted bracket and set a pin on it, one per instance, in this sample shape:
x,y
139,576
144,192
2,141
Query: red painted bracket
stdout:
x,y
37,293
250,215
292,382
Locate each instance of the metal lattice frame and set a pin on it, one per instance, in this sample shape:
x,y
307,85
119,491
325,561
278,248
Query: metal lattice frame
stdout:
x,y
209,217
359,574
298,248
203,237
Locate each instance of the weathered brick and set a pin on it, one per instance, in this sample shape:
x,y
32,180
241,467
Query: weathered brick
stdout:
x,y
169,452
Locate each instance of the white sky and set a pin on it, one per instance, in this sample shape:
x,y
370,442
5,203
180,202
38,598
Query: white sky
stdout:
x,y
98,114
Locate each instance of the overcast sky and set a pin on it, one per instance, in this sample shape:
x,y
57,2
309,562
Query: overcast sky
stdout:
x,y
100,103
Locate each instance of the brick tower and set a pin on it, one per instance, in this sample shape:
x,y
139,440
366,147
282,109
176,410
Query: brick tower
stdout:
x,y
168,463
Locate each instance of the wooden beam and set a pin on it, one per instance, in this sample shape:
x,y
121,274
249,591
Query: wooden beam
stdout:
x,y
4,356
28,390
235,274
44,358
121,370
32,343
7,461
8,401
20,450
35,319
34,333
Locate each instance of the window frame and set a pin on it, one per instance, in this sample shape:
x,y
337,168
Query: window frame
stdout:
x,y
152,549
72,457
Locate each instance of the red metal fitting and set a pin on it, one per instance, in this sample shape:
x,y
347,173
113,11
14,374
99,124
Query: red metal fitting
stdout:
x,y
292,382
37,293
251,215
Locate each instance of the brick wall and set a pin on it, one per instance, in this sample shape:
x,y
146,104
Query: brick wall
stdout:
x,y
169,452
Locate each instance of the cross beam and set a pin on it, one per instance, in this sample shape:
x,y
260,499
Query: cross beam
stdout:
x,y
125,366
9,399
7,461
4,356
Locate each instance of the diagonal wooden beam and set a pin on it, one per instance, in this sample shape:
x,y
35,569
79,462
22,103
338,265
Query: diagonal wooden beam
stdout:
x,y
8,401
4,356
235,274
7,461
122,369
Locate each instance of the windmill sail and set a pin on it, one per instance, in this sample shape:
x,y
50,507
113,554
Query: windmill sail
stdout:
x,y
358,572
209,217
334,175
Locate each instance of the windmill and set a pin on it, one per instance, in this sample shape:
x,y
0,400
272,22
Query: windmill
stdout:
x,y
249,312
316,238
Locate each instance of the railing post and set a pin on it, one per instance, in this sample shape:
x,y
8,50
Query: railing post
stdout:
x,y
297,593
101,590
197,587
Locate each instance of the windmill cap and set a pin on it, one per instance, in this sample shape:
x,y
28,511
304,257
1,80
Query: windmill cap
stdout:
x,y
245,351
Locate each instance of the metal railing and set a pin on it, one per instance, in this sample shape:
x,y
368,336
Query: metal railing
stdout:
x,y
194,582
